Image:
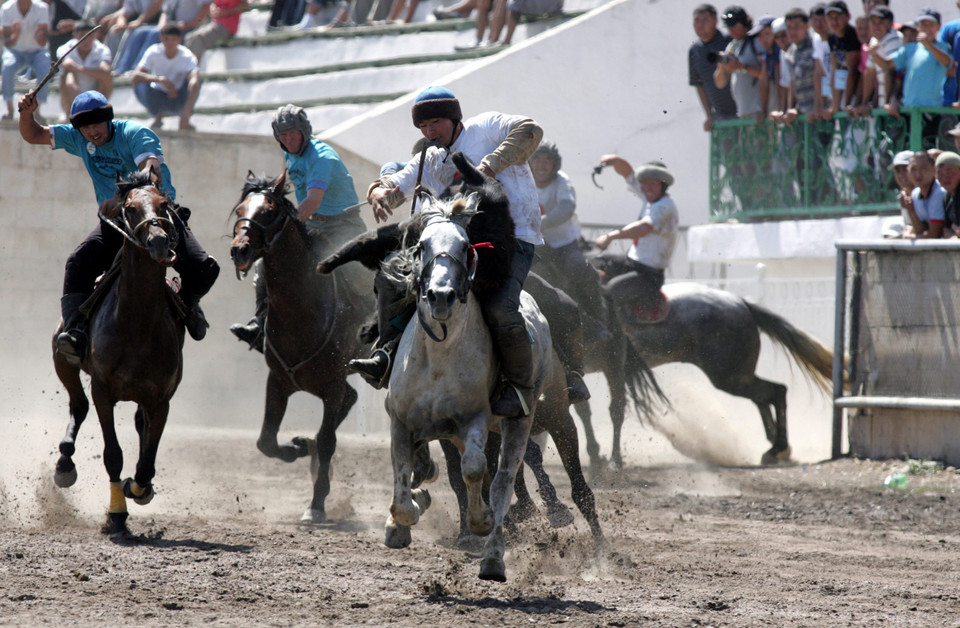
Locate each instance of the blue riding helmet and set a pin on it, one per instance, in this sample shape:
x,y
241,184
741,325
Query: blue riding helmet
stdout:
x,y
90,107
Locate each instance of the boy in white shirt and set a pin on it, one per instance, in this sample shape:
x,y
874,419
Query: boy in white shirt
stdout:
x,y
86,68
24,25
167,80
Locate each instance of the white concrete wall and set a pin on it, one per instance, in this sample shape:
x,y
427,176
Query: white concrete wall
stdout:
x,y
47,207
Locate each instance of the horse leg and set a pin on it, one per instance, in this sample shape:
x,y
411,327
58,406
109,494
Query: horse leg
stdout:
x,y
514,434
65,474
275,407
336,406
765,394
593,447
113,462
563,431
618,408
466,540
473,466
150,425
557,512
406,508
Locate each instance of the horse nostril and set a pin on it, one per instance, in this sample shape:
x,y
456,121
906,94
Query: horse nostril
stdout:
x,y
431,297
450,297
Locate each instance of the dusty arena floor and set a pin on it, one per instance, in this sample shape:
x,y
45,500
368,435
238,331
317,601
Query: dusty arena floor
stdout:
x,y
687,545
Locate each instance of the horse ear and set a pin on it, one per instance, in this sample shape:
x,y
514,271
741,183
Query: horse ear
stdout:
x,y
473,201
281,183
154,174
250,175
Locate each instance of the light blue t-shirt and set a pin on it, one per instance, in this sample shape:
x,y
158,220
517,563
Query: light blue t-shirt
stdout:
x,y
929,209
131,144
923,74
321,167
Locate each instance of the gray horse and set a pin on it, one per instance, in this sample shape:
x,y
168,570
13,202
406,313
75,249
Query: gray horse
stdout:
x,y
443,377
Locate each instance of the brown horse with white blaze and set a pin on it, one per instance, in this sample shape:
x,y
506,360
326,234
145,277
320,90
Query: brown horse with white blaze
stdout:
x,y
135,347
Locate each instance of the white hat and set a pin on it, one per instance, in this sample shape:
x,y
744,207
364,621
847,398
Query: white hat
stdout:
x,y
779,25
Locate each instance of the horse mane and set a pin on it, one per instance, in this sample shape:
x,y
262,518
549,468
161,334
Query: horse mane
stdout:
x,y
264,184
134,180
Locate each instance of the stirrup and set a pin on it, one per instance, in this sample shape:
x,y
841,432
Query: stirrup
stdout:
x,y
251,333
71,347
524,406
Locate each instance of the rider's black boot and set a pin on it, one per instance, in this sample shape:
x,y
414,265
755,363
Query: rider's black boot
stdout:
x,y
195,322
376,369
252,332
515,395
72,341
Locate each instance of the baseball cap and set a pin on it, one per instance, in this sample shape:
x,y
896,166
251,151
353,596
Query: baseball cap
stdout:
x,y
948,158
735,15
955,131
779,26
838,6
762,23
902,158
929,14
882,12
908,26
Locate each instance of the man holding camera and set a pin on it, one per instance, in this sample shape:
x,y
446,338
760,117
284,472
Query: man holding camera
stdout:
x,y
717,102
740,65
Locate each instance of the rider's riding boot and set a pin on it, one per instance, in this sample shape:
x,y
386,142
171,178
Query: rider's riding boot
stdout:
x,y
72,341
376,369
252,332
195,322
515,395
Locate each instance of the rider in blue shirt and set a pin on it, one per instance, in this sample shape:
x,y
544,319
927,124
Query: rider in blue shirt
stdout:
x,y
110,148
326,203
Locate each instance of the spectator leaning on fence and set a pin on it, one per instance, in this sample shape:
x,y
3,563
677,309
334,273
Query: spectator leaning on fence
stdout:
x,y
844,56
948,175
741,66
878,83
803,69
923,62
717,102
901,177
926,206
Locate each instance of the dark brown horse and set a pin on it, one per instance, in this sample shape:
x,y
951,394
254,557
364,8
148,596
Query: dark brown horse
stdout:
x,y
135,348
310,329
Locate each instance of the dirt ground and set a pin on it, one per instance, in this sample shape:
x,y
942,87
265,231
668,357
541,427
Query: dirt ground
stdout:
x,y
687,544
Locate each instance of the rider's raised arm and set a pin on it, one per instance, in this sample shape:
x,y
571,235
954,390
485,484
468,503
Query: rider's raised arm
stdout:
x,y
30,130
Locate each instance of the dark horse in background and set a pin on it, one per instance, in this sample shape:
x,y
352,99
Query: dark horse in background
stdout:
x,y
716,331
310,329
135,348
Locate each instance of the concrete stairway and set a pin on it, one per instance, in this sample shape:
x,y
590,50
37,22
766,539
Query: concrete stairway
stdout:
x,y
335,74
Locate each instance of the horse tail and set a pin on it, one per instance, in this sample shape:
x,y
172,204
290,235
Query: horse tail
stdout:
x,y
645,391
807,352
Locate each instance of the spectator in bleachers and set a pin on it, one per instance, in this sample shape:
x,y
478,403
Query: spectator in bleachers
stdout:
x,y
86,68
131,16
486,16
24,25
461,9
879,86
741,66
167,81
948,34
64,14
186,14
948,175
901,176
717,102
518,8
926,207
223,24
844,56
783,77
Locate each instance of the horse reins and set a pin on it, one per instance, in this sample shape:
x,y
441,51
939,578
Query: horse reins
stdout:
x,y
130,232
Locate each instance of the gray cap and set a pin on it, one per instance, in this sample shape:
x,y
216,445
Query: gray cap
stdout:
x,y
292,118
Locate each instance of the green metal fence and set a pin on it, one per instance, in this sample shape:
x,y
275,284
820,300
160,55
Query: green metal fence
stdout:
x,y
834,168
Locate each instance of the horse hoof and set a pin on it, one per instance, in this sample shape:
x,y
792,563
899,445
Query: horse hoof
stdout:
x,y
313,515
65,477
470,543
774,457
559,516
422,498
493,569
483,527
306,445
116,526
396,536
615,466
144,498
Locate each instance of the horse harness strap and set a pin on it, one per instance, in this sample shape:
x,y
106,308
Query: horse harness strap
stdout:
x,y
471,269
291,371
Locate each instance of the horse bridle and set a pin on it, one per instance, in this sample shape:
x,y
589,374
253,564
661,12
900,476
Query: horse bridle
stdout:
x,y
131,232
469,267
284,214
